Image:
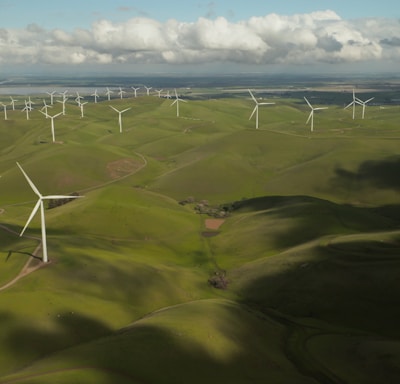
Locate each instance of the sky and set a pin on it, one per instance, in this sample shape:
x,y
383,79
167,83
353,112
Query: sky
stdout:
x,y
195,36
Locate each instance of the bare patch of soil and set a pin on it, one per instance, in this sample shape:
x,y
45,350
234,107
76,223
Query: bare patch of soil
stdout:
x,y
214,223
122,167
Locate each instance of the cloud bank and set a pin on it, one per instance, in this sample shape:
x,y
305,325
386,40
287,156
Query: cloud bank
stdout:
x,y
318,37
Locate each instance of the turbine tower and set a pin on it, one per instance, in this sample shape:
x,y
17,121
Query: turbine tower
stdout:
x,y
40,205
120,116
52,123
81,107
311,116
255,110
177,100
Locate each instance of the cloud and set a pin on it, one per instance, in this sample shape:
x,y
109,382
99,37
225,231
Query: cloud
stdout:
x,y
317,37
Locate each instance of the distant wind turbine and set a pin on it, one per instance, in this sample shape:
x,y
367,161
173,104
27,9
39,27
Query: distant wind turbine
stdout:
x,y
148,90
121,92
311,116
108,93
135,90
96,96
78,98
176,101
52,123
5,111
40,205
45,107
81,107
13,103
27,109
353,103
159,92
255,110
119,116
364,104
63,101
51,94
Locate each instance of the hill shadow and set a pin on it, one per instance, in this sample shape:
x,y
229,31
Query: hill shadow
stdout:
x,y
380,174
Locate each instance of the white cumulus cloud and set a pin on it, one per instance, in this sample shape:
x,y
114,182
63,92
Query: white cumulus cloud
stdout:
x,y
317,37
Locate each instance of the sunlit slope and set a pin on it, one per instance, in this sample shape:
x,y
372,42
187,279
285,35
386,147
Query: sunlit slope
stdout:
x,y
204,341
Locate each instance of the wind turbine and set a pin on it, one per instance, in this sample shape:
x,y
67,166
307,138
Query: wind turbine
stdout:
x,y
81,107
30,102
63,101
148,90
255,110
5,111
311,116
52,123
121,92
78,98
364,103
108,93
177,100
159,92
45,107
168,96
40,205
51,94
353,103
120,116
13,103
135,90
95,96
27,109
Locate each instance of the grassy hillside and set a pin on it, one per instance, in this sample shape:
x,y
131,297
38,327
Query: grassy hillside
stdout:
x,y
308,247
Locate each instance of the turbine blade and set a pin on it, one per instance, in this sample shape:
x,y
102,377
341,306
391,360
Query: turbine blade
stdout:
x,y
309,117
30,182
126,110
49,197
349,105
369,100
175,101
318,109
265,103
254,110
308,102
252,96
115,109
33,213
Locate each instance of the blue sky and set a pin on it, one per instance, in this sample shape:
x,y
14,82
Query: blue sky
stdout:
x,y
127,35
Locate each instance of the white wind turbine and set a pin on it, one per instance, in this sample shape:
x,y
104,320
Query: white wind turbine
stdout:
x,y
121,92
45,107
78,98
51,94
63,101
255,110
148,90
5,111
353,103
30,102
311,116
177,100
13,103
95,94
27,109
159,92
364,104
108,93
120,116
135,90
81,107
40,205
52,123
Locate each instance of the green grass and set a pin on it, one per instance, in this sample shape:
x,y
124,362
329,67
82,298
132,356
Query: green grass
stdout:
x,y
310,251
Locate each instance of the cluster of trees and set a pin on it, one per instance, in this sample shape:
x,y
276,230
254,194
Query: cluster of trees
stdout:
x,y
203,207
54,203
